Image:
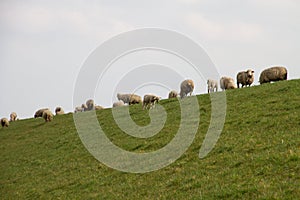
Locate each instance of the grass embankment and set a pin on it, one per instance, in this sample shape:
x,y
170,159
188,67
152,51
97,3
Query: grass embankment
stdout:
x,y
256,157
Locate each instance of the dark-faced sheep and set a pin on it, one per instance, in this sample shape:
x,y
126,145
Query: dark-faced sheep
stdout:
x,y
4,122
39,113
212,85
227,83
245,78
47,115
135,99
173,94
90,105
273,74
13,116
150,100
186,87
59,111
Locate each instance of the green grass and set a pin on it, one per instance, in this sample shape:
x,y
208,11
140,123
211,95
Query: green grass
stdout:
x,y
256,157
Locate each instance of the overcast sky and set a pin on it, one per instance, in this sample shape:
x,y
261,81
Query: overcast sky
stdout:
x,y
43,44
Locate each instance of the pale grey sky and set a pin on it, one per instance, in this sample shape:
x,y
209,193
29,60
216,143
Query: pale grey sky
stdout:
x,y
44,43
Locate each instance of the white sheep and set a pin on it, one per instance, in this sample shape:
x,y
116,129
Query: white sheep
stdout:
x,y
97,107
59,111
212,85
150,99
47,115
13,116
39,113
186,87
4,122
227,83
118,104
124,97
135,99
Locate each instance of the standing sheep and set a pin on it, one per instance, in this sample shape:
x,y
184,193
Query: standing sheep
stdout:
x,y
124,97
173,94
245,78
13,116
150,99
4,122
47,115
212,85
135,99
227,83
186,87
90,104
59,111
118,104
39,113
273,74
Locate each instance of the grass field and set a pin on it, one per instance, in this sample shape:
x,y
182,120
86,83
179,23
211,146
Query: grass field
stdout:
x,y
256,157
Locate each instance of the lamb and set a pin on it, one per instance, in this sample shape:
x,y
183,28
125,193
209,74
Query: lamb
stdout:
x,y
4,122
124,97
186,87
227,83
173,94
273,74
59,111
245,78
47,115
98,107
135,99
90,105
118,104
212,85
39,113
150,99
13,116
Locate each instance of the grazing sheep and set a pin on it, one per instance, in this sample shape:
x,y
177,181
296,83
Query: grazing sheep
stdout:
x,y
118,104
78,109
39,113
124,97
90,105
150,99
173,94
4,122
245,78
227,83
59,111
186,87
98,107
13,116
84,107
47,115
273,74
212,85
135,99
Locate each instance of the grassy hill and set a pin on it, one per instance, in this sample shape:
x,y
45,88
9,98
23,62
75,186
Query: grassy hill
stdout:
x,y
256,157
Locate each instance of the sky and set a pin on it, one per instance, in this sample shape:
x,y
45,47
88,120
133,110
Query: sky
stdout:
x,y
43,44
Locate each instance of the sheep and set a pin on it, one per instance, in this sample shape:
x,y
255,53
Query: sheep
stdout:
x,y
173,94
150,99
90,105
118,104
78,109
135,99
4,122
273,74
245,78
84,107
13,116
47,115
59,111
124,97
227,83
186,87
212,85
39,113
98,107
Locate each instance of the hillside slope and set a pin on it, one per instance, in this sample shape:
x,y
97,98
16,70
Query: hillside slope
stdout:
x,y
257,155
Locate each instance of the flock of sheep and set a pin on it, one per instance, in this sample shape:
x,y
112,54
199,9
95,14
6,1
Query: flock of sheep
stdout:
x,y
245,78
